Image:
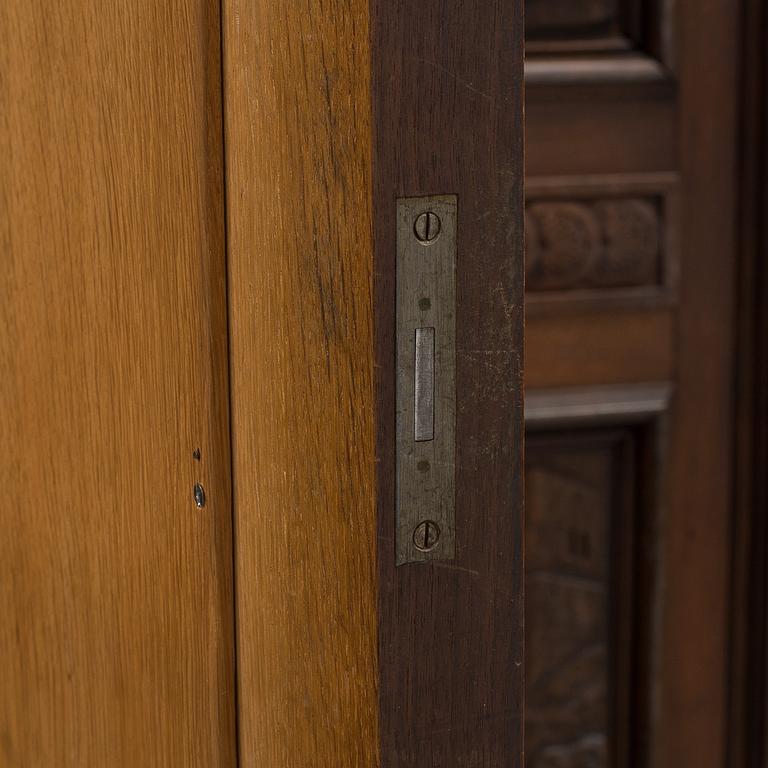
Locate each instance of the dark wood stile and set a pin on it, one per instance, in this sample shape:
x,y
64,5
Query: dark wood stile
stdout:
x,y
748,733
447,105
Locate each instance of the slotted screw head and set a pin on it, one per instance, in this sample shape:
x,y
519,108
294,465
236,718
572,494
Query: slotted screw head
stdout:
x,y
427,227
426,536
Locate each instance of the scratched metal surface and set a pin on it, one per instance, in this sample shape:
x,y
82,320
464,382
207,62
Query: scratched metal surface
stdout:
x,y
426,302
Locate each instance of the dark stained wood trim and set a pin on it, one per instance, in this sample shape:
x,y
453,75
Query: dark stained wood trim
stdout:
x,y
749,640
447,105
625,69
596,406
690,707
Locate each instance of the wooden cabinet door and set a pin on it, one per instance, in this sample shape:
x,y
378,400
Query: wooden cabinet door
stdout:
x,y
116,631
631,254
335,111
199,232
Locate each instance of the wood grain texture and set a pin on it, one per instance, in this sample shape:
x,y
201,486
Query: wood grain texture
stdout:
x,y
692,693
583,348
447,78
116,642
589,132
298,134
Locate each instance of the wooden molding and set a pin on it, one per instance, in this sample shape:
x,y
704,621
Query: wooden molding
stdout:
x,y
690,717
298,137
620,68
596,406
603,43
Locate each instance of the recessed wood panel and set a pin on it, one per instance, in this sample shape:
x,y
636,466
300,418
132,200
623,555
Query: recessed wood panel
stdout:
x,y
560,32
580,520
116,640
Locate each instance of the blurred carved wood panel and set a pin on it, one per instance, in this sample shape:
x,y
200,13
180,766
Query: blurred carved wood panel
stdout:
x,y
630,157
602,238
116,637
609,242
579,526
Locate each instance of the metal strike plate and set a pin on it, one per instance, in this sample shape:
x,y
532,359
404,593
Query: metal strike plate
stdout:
x,y
426,378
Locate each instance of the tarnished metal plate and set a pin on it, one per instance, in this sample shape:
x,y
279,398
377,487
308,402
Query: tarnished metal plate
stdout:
x,y
426,378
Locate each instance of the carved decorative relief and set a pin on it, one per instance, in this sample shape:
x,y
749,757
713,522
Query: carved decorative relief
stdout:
x,y
603,243
571,575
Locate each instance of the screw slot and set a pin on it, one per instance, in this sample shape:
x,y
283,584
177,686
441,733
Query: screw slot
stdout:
x,y
199,494
427,227
426,536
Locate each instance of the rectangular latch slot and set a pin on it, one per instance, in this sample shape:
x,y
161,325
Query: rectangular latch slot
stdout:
x,y
424,414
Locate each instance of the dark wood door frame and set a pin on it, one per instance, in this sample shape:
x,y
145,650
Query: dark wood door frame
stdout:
x,y
748,747
447,107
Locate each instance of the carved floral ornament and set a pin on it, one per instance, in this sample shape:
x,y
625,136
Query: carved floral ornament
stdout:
x,y
592,244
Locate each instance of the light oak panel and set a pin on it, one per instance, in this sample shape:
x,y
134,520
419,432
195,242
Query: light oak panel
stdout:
x,y
298,137
116,643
